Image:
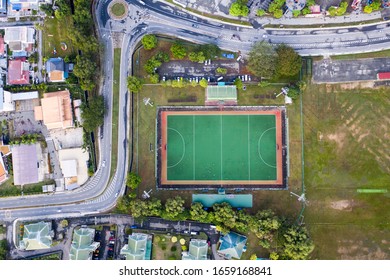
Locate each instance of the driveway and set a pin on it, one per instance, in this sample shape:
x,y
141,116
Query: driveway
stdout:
x,y
337,71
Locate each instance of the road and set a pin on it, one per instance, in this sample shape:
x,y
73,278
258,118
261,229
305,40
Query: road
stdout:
x,y
98,194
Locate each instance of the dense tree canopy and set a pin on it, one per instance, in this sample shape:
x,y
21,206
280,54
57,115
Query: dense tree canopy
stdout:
x,y
289,62
198,213
297,244
93,113
224,215
262,59
3,249
178,50
174,207
239,8
85,69
149,41
133,180
134,84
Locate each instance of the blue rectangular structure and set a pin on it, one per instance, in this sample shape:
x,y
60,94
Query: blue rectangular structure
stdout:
x,y
235,200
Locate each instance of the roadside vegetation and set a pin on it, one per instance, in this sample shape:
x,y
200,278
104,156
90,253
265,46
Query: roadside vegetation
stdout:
x,y
3,249
55,256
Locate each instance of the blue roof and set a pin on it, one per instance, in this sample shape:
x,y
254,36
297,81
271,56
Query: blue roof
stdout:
x,y
235,200
16,6
232,245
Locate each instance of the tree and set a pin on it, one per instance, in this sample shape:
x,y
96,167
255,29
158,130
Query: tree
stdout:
x,y
306,11
197,213
178,50
133,180
265,226
134,84
203,83
278,13
376,5
149,41
62,11
174,207
260,12
297,244
162,56
154,78
224,215
293,92
262,59
239,8
296,13
238,83
151,65
3,249
93,113
85,69
209,50
153,208
273,256
368,9
332,11
221,70
137,208
289,62
253,257
47,9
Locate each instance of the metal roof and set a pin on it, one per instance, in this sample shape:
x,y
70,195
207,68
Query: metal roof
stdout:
x,y
221,93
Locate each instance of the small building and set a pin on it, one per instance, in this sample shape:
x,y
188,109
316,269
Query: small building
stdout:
x,y
196,251
56,70
221,95
55,110
18,72
22,7
25,164
6,102
37,236
74,167
3,8
82,244
139,247
232,245
20,38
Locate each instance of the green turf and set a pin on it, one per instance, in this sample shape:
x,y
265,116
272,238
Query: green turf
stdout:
x,y
221,147
118,9
54,33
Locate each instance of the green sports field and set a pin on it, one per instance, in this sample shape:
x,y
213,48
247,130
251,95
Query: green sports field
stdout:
x,y
214,148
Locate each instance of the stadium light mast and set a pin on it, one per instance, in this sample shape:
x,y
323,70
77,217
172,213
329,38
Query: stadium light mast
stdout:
x,y
301,198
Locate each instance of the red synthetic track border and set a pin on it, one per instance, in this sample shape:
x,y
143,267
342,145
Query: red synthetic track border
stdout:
x,y
279,158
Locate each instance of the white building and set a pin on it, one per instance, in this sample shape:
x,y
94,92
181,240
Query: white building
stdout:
x,y
20,38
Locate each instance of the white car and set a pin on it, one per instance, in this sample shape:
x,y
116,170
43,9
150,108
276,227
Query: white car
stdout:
x,y
103,163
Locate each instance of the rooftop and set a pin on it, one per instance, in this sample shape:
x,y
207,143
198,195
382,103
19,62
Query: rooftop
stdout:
x,y
55,110
18,73
37,236
82,244
139,247
25,164
232,245
197,250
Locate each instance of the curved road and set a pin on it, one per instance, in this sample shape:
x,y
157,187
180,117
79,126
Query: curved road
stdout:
x,y
98,194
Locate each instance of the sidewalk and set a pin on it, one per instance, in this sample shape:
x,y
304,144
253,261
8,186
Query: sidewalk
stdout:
x,y
222,9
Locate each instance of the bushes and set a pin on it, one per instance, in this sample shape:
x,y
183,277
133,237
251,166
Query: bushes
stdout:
x,y
149,41
239,8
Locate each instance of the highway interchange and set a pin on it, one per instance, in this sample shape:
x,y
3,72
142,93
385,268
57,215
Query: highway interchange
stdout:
x,y
99,194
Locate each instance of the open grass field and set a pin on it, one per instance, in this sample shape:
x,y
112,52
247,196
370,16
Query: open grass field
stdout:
x,y
346,148
54,33
214,147
384,53
115,110
144,136
164,249
118,9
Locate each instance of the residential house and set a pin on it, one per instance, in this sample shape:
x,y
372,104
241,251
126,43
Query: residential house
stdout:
x,y
196,251
18,72
20,38
56,70
232,245
82,244
55,110
25,164
37,236
22,7
6,102
3,8
74,166
139,247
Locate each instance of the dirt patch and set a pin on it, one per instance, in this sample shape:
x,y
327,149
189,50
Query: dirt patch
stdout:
x,y
338,137
361,136
344,205
359,84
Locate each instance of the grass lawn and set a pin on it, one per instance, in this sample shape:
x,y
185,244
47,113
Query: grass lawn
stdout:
x,y
346,148
2,229
55,256
54,33
164,249
8,189
118,9
115,110
385,53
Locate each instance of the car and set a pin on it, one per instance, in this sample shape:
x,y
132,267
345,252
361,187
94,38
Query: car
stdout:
x,y
103,163
116,194
239,57
195,25
208,79
185,231
133,226
194,233
163,78
386,18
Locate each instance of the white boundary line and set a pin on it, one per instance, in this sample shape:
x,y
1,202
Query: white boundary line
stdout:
x,y
221,147
258,147
184,148
193,145
249,150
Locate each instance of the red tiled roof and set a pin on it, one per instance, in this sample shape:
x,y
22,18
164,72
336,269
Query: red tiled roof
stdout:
x,y
384,76
16,75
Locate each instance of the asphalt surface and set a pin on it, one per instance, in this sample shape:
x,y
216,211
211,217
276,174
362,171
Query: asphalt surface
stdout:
x,y
98,195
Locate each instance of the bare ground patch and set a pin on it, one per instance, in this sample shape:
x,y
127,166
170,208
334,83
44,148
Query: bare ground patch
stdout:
x,y
345,205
